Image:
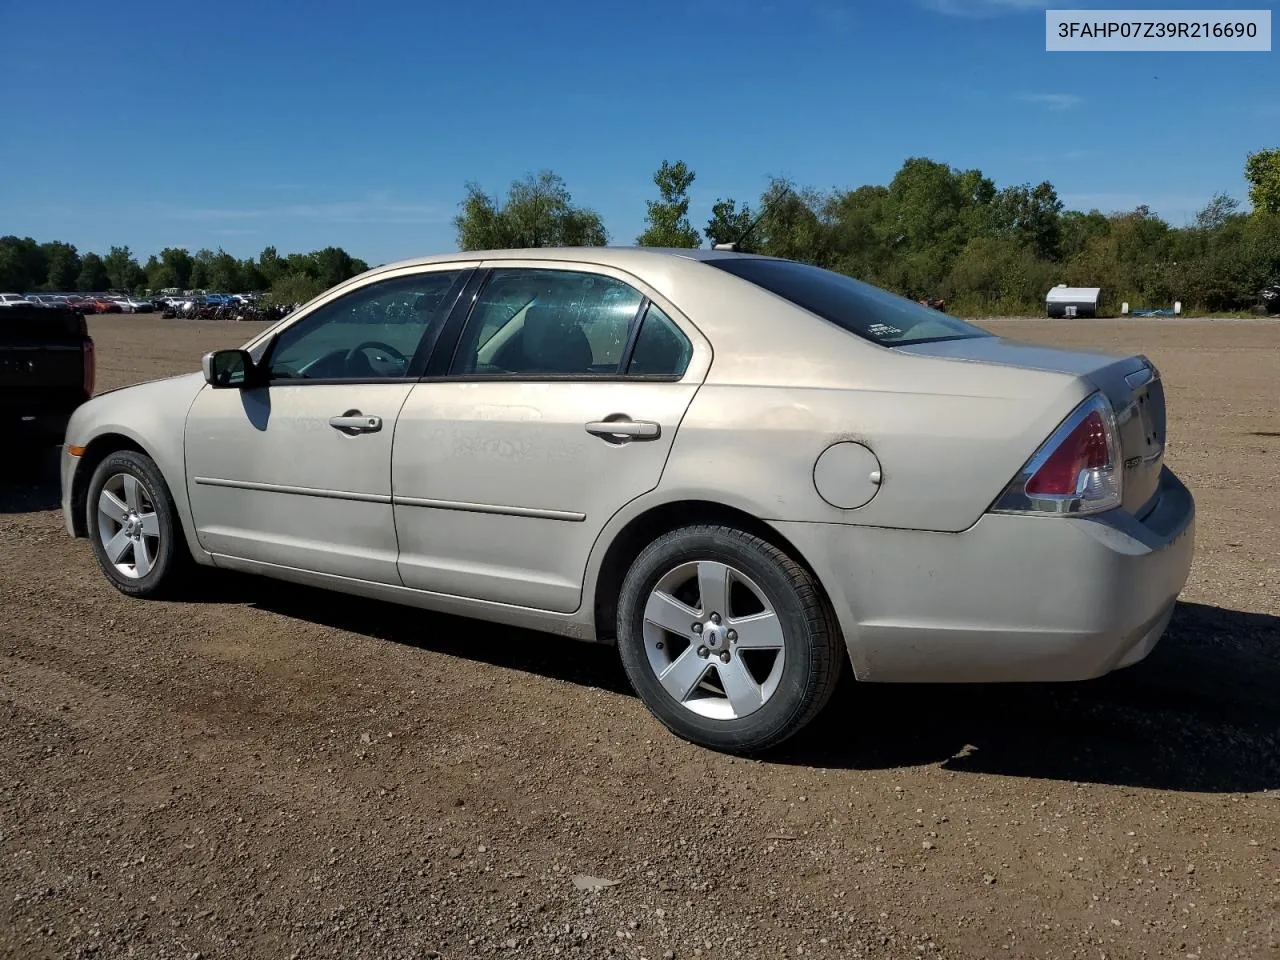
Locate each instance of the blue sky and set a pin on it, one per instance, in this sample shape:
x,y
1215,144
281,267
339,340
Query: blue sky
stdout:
x,y
244,123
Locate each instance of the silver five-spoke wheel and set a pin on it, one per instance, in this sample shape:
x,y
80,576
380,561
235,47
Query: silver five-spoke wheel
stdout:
x,y
128,527
714,640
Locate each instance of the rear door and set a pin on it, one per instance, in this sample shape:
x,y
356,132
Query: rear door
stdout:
x,y
557,407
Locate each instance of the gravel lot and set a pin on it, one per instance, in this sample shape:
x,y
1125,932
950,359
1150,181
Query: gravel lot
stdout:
x,y
269,771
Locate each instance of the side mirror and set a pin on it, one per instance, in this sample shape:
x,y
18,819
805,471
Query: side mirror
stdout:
x,y
228,369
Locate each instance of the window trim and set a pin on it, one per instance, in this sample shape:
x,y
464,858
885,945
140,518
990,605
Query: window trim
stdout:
x,y
464,310
421,355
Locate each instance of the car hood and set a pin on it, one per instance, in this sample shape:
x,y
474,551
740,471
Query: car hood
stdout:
x,y
144,387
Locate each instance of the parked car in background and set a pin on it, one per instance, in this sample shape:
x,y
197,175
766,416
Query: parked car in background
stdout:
x,y
134,304
12,299
747,473
101,303
46,371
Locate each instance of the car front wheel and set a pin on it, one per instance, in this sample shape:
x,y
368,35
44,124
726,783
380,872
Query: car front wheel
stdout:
x,y
133,525
727,639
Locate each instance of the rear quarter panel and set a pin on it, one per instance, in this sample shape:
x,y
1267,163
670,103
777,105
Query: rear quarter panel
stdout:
x,y
948,436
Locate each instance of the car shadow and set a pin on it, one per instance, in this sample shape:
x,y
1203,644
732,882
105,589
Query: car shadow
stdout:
x,y
559,658
29,481
1202,713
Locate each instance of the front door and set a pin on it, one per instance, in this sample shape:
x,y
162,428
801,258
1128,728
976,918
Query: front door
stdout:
x,y
560,406
297,473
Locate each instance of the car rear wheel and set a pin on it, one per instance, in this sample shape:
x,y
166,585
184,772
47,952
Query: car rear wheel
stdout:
x,y
727,639
133,525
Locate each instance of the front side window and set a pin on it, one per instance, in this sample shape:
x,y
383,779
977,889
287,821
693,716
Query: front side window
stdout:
x,y
368,334
869,312
530,322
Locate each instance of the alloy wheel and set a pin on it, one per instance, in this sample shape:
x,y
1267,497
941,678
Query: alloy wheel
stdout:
x,y
128,526
713,640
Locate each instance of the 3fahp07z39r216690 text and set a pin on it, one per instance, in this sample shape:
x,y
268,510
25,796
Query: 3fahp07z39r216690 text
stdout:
x,y
1152,30
1191,31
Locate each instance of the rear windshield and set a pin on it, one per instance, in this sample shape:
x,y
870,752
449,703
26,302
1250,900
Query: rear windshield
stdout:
x,y
877,315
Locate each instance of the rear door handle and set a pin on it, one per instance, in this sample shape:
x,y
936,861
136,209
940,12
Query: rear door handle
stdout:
x,y
353,422
624,429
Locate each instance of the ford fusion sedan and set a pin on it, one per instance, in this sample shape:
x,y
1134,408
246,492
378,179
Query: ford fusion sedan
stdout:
x,y
748,473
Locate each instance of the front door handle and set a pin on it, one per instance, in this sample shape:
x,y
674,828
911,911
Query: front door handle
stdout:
x,y
353,422
623,429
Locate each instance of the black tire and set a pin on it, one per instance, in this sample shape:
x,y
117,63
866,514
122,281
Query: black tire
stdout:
x,y
814,654
172,560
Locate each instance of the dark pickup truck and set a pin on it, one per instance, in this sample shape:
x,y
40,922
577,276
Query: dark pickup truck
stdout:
x,y
46,371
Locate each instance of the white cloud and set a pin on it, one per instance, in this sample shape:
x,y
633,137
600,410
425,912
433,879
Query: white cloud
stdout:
x,y
377,208
1054,101
983,8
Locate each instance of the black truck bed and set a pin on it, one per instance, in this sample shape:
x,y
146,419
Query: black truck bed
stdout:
x,y
46,370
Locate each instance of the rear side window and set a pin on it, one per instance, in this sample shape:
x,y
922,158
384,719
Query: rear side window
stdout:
x,y
661,349
530,322
871,313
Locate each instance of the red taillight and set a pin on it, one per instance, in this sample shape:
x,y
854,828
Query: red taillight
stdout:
x,y
90,367
1067,469
1075,472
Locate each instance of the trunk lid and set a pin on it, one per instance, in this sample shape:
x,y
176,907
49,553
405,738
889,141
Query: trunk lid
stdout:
x,y
1131,384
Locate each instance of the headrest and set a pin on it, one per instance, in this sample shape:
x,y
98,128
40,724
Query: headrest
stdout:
x,y
554,342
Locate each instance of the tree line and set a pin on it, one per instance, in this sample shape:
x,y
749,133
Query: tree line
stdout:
x,y
27,266
933,231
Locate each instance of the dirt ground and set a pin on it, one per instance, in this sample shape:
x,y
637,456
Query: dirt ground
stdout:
x,y
269,771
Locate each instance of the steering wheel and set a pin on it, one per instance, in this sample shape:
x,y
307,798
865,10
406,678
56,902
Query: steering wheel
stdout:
x,y
394,354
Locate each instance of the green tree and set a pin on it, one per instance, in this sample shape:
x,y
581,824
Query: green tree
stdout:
x,y
1217,212
538,212
296,288
201,277
270,265
334,265
1031,216
995,276
159,274
1262,170
1077,229
668,216
251,277
224,273
791,224
123,272
63,265
859,224
93,274
933,210
178,263
729,224
23,265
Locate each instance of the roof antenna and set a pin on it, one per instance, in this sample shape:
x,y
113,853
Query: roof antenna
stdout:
x,y
733,245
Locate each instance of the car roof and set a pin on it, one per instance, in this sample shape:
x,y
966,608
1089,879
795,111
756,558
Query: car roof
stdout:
x,y
620,257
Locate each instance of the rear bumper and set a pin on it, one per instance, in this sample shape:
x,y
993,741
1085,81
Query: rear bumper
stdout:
x,y
1013,598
